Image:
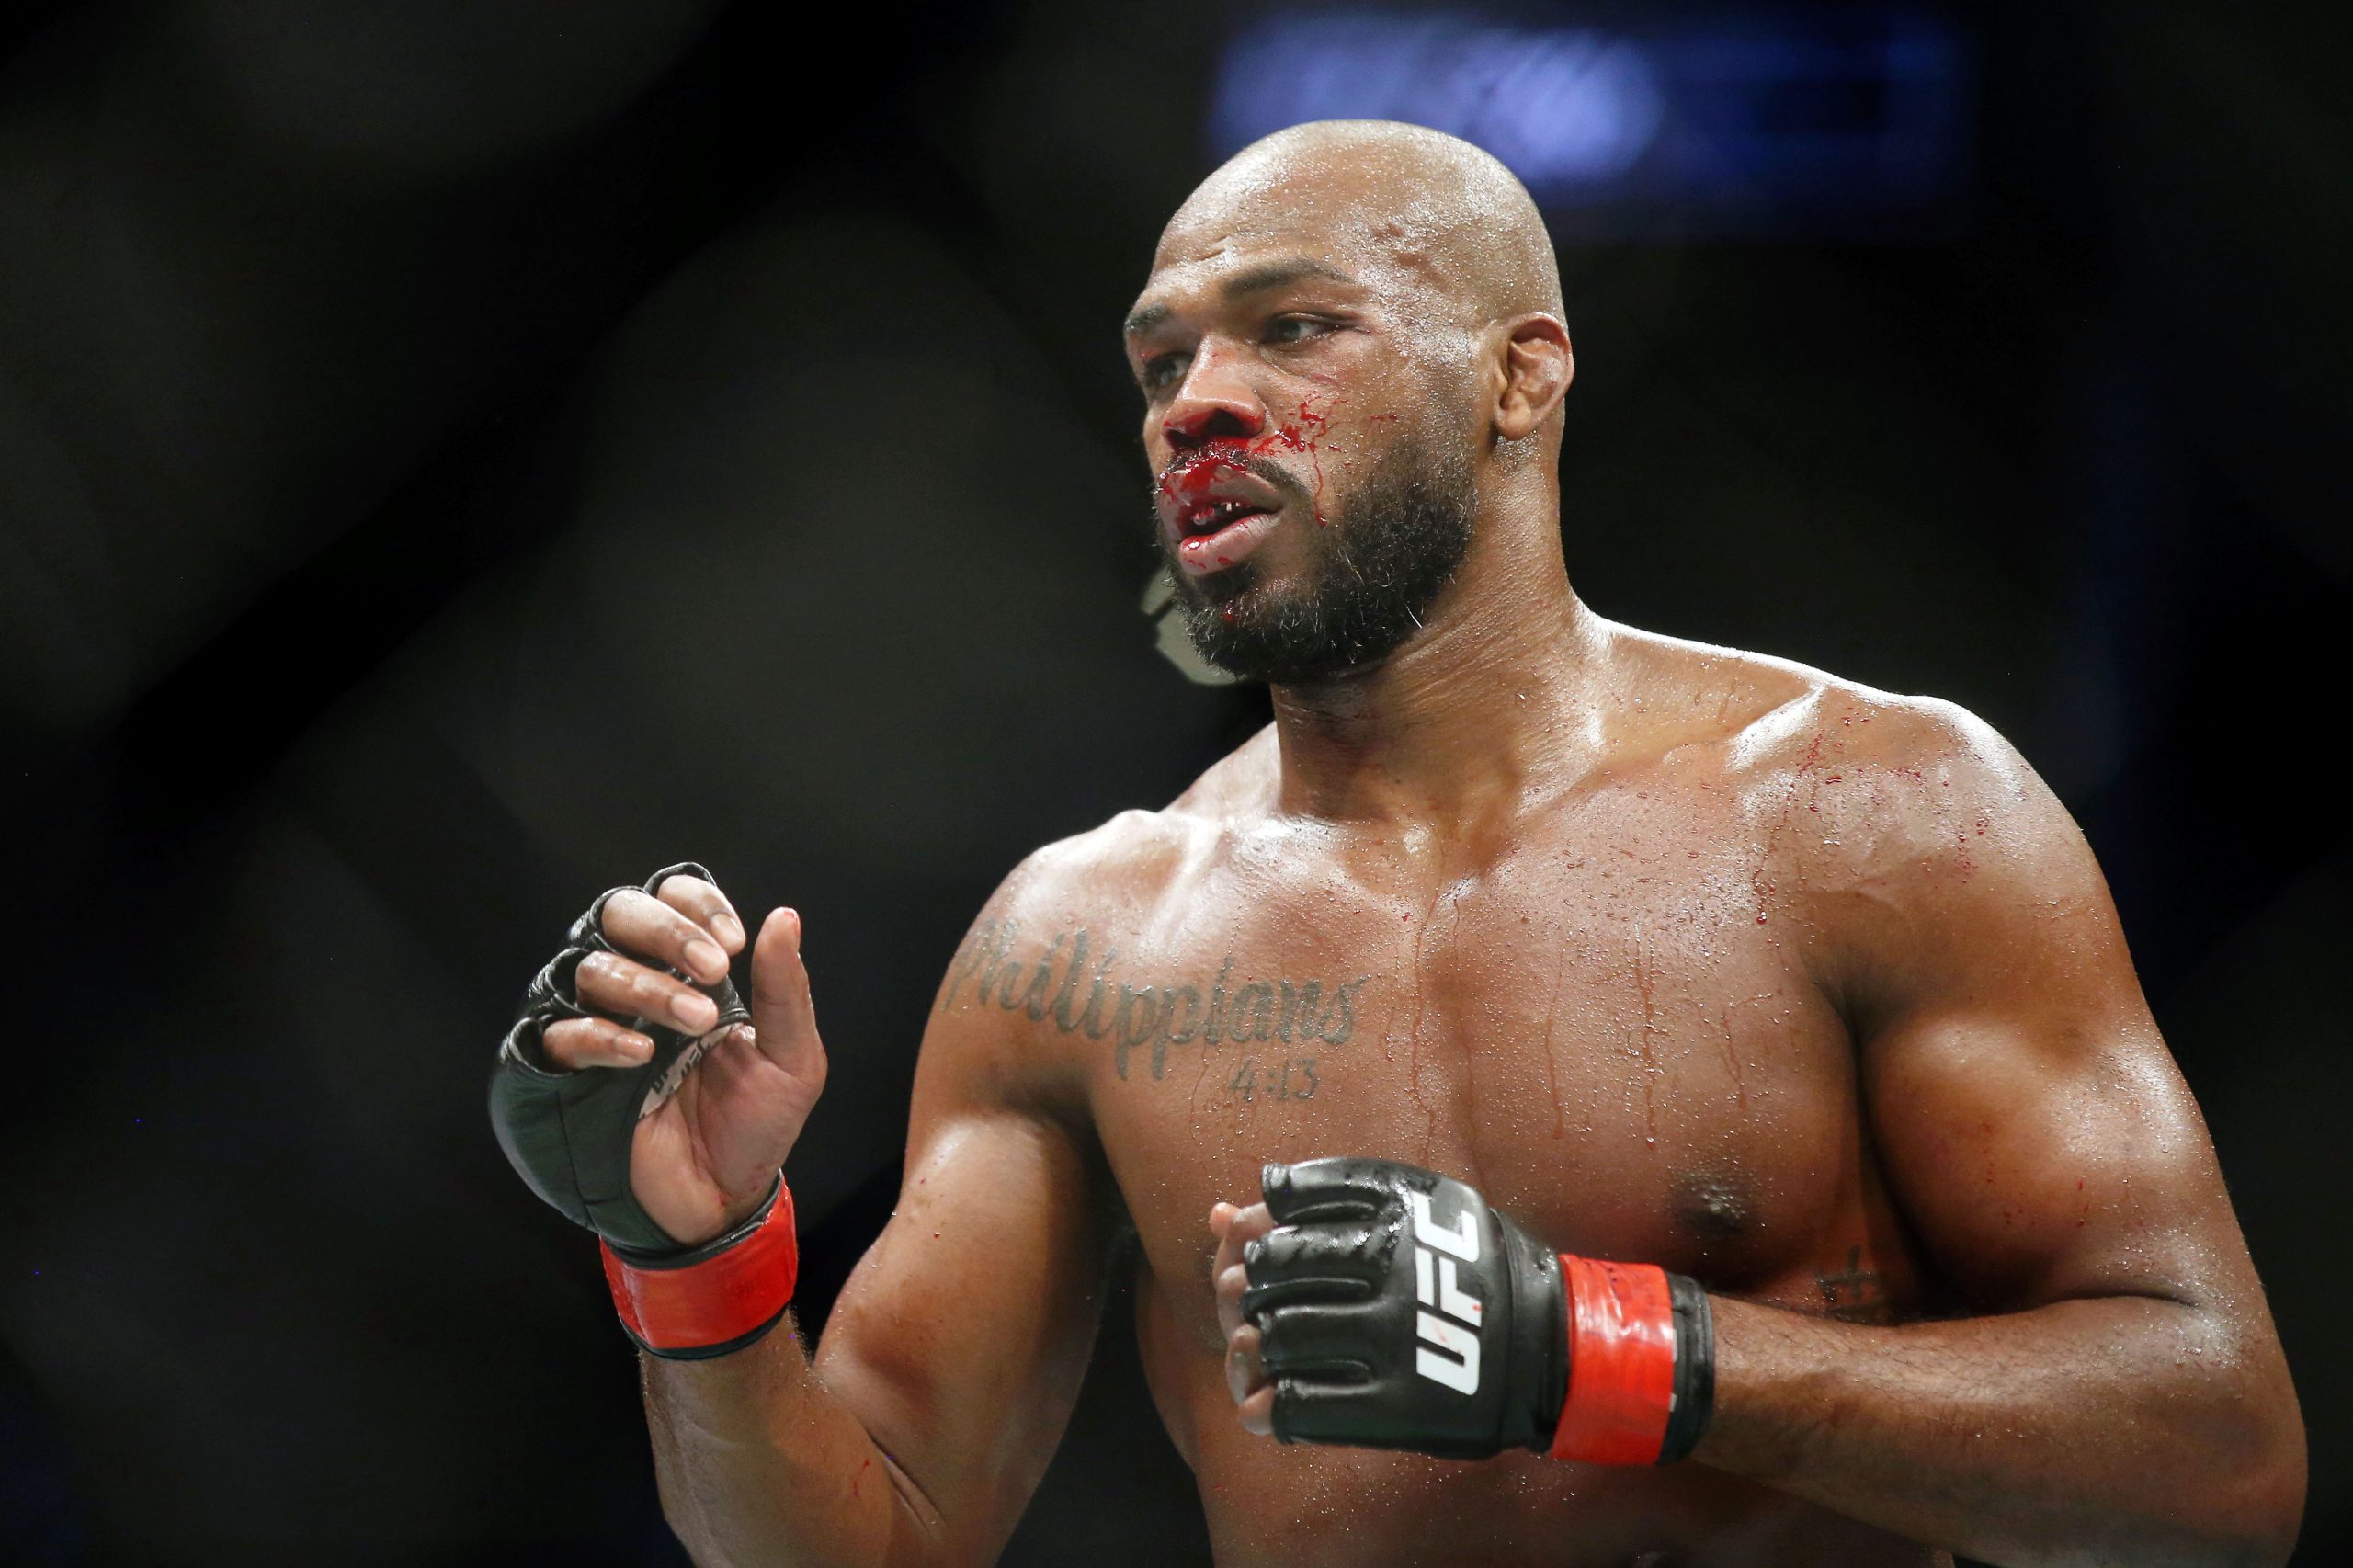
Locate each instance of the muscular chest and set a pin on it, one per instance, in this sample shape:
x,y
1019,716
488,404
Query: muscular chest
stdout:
x,y
1592,1028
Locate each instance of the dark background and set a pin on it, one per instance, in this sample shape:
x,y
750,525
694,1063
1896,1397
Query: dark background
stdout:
x,y
456,456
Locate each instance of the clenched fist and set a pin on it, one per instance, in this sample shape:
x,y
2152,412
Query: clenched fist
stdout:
x,y
1381,1306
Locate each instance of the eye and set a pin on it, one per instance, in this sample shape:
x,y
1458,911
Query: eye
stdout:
x,y
1296,329
1163,370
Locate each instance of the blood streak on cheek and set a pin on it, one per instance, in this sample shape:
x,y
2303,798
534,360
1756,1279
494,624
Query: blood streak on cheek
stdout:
x,y
1312,445
1308,435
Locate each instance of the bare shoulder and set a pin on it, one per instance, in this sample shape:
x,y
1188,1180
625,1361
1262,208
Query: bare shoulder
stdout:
x,y
1896,835
1111,874
1845,788
1913,759
1905,790
1085,894
1781,731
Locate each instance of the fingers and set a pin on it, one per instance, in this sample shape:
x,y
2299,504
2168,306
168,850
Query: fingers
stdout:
x,y
1326,1345
1342,1260
1341,1187
595,1042
1326,1341
657,930
783,1018
1271,1296
705,906
1245,1379
1241,1226
1229,1282
628,989
1317,1409
1235,1230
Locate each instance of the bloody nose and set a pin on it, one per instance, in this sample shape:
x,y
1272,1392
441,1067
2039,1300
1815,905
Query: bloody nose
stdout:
x,y
1209,408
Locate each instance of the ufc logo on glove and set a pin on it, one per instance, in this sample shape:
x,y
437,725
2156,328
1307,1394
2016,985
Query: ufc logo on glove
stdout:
x,y
1513,1345
1456,1361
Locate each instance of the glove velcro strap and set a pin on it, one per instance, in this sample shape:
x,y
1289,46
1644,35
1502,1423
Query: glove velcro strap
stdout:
x,y
1622,1362
716,1299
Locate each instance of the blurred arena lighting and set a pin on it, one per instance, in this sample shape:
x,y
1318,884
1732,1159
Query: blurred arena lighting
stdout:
x,y
1851,123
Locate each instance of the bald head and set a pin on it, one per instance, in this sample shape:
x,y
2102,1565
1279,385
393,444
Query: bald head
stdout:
x,y
1387,197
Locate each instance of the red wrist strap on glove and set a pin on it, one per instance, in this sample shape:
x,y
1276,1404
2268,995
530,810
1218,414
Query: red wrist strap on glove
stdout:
x,y
1622,1363
709,1302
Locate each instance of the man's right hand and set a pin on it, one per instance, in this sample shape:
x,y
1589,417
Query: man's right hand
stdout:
x,y
709,1112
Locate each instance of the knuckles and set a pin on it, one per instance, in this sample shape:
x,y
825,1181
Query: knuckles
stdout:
x,y
682,890
575,1043
611,978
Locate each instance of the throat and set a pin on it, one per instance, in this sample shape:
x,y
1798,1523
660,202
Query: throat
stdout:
x,y
1468,712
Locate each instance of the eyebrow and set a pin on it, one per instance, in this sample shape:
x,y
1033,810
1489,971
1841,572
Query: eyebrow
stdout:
x,y
1258,279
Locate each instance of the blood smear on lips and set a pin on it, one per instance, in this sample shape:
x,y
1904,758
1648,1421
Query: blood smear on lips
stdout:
x,y
1219,458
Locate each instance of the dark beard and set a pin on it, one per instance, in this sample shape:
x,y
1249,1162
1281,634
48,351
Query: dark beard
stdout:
x,y
1378,567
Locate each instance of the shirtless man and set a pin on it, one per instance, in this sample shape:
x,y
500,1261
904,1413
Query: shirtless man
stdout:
x,y
1677,956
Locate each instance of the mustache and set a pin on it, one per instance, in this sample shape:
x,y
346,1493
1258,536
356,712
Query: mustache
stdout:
x,y
1233,456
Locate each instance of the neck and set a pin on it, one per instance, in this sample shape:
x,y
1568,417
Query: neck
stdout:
x,y
1494,694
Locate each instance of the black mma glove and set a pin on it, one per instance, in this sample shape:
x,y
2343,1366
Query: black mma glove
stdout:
x,y
567,1133
1396,1310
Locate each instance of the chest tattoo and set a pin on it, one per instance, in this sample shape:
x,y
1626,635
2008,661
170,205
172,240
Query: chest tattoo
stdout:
x,y
1071,987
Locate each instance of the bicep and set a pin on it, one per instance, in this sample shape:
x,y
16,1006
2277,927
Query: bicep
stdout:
x,y
2030,1121
2041,1159
962,1336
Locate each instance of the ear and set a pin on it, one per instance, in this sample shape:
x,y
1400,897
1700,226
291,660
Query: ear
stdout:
x,y
1537,369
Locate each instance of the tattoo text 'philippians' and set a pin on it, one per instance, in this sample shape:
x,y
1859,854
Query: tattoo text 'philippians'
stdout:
x,y
1070,986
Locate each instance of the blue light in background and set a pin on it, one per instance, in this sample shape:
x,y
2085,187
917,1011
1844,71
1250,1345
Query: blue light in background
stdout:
x,y
1561,107
1847,123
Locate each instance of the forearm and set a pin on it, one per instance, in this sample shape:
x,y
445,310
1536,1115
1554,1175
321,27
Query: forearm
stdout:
x,y
2117,1430
760,1464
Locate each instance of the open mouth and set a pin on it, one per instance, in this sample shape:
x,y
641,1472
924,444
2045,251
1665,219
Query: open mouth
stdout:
x,y
1216,510
1216,535
1216,516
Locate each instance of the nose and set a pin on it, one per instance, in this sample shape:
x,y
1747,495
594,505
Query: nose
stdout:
x,y
1213,402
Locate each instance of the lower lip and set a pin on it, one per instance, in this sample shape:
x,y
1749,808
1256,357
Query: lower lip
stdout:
x,y
1200,554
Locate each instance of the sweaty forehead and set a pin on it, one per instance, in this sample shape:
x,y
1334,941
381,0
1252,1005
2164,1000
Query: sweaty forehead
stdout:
x,y
1387,243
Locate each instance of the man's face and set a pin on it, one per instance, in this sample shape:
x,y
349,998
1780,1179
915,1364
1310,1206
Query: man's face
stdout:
x,y
1311,434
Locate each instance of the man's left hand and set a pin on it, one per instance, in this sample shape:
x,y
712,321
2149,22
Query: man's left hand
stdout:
x,y
1380,1306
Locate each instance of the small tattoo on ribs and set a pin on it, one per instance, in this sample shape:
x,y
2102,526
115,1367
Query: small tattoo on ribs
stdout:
x,y
1855,1295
